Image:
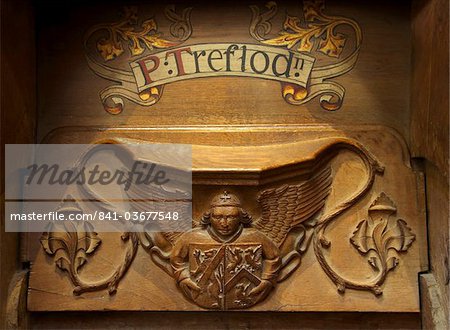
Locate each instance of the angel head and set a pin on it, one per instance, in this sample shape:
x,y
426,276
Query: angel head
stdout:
x,y
226,215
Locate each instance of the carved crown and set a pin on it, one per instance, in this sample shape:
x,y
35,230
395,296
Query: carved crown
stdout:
x,y
225,199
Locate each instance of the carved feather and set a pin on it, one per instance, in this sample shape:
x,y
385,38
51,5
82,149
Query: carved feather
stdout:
x,y
142,195
286,207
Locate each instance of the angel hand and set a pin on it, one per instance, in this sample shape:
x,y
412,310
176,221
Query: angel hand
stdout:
x,y
262,289
188,284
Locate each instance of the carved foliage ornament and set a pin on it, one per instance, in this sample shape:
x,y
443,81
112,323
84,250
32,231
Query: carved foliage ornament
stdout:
x,y
230,260
111,41
71,247
380,235
286,58
314,30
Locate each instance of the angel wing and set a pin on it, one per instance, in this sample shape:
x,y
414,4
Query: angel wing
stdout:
x,y
167,199
286,207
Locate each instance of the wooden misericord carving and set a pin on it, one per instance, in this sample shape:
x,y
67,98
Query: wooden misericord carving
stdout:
x,y
280,190
230,259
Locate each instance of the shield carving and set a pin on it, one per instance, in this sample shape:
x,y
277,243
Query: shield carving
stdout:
x,y
225,273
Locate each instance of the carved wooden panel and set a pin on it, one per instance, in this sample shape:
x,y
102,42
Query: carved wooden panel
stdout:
x,y
304,198
279,225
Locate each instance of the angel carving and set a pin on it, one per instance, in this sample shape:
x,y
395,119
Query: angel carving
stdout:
x,y
230,261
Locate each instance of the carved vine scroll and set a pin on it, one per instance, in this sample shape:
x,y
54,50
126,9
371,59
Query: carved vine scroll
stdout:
x,y
376,237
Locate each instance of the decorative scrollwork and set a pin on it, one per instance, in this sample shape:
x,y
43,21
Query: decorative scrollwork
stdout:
x,y
181,27
315,31
318,28
375,238
139,38
261,25
71,244
127,30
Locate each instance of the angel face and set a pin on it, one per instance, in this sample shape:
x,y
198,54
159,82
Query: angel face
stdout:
x,y
225,220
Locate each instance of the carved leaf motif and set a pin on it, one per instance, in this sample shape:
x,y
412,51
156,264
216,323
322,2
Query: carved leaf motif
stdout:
x,y
293,33
362,239
378,235
382,234
87,239
332,45
399,237
253,257
71,246
145,38
381,238
138,38
109,49
317,27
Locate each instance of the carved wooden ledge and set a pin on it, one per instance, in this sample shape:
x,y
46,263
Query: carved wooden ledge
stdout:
x,y
239,264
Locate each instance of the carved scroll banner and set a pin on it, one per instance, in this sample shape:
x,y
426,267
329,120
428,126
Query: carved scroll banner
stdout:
x,y
245,60
276,225
288,58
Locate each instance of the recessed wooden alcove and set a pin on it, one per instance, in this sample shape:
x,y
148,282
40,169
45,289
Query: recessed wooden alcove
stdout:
x,y
250,136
